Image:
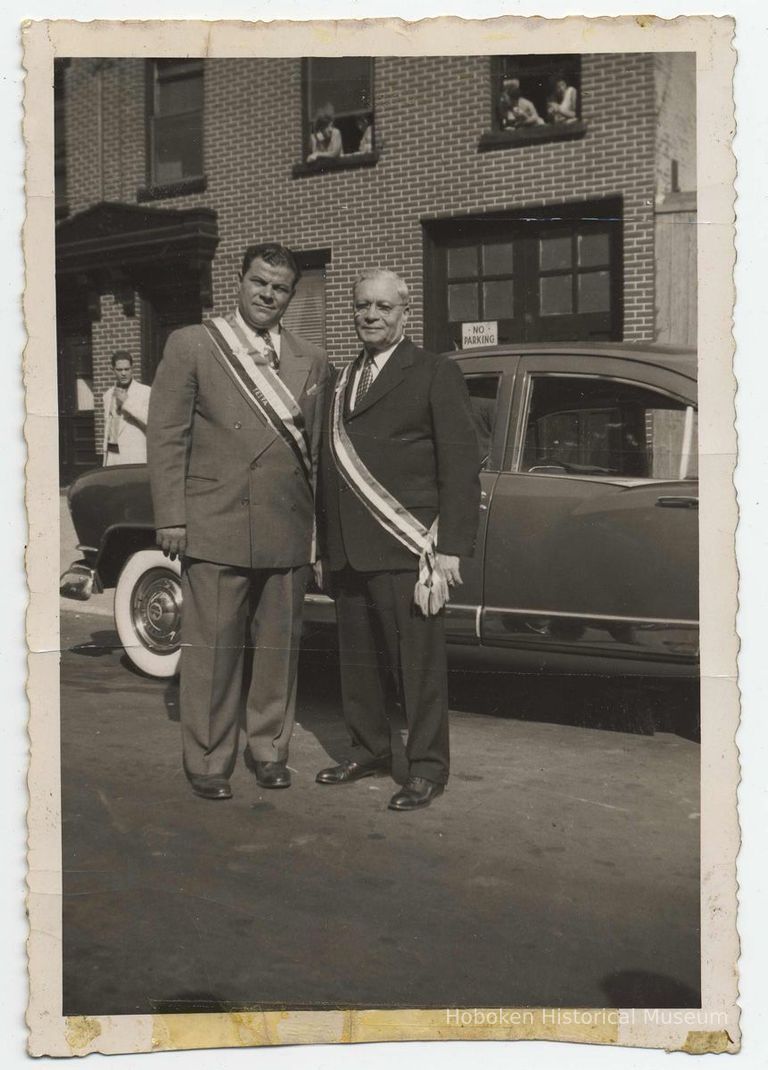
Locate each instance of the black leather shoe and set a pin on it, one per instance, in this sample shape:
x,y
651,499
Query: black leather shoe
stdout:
x,y
272,774
210,787
416,793
349,771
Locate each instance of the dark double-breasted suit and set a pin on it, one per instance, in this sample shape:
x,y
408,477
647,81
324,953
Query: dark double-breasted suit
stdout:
x,y
217,468
415,433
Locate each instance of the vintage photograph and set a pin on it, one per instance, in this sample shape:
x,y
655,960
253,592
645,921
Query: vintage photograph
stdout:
x,y
378,460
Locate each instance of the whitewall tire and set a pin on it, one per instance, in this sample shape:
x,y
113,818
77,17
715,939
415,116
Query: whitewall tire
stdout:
x,y
148,612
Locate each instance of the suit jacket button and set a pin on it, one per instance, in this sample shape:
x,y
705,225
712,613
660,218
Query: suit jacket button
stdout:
x,y
243,501
237,425
254,464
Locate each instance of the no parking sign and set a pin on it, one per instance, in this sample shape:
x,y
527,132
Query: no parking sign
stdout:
x,y
483,333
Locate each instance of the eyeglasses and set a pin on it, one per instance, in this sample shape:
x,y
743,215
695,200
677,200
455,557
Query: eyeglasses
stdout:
x,y
382,307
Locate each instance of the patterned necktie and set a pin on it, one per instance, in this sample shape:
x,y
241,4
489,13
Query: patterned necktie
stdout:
x,y
366,378
272,357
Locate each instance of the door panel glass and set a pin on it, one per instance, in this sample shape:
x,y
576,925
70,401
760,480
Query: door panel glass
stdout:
x,y
577,425
483,394
462,261
498,258
555,295
595,291
594,250
555,252
462,302
498,300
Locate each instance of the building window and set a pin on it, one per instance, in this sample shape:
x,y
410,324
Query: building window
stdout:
x,y
534,98
175,121
60,136
542,275
534,90
339,123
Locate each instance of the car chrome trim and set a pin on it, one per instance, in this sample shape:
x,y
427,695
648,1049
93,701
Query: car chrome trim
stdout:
x,y
653,639
593,616
461,622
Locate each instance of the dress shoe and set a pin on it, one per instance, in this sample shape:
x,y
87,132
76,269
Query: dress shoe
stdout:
x,y
210,787
416,793
349,771
272,774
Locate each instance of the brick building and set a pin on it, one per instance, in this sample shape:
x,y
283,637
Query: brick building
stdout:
x,y
550,230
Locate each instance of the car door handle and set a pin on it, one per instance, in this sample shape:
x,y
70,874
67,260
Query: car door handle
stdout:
x,y
678,501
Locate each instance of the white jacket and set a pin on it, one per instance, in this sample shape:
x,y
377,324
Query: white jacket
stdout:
x,y
131,426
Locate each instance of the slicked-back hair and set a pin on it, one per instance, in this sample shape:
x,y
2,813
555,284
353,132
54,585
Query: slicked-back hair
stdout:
x,y
122,354
384,273
271,252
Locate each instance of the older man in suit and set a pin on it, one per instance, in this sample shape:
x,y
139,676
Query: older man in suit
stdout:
x,y
400,504
126,407
233,443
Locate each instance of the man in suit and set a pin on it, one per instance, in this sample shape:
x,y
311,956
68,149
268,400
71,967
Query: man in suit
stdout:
x,y
401,455
233,442
126,407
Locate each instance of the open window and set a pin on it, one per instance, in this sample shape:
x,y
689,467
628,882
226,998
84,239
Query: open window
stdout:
x,y
534,98
339,118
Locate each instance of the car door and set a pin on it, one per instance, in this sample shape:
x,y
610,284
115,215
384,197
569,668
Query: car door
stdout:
x,y
592,531
490,384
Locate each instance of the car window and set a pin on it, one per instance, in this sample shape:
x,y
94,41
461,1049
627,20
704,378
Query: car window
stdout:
x,y
483,394
597,426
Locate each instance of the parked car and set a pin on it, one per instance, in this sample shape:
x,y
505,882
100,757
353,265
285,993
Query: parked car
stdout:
x,y
586,556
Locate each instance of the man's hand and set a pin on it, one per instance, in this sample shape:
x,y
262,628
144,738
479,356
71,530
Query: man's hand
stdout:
x,y
172,541
120,395
449,566
319,570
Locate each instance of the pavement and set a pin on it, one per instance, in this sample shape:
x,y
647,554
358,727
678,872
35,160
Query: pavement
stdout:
x,y
560,868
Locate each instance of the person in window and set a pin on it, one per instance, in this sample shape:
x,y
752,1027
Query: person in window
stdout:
x,y
364,125
563,103
515,110
325,138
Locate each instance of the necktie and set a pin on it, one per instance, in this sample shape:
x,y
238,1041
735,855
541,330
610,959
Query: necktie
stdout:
x,y
272,357
366,378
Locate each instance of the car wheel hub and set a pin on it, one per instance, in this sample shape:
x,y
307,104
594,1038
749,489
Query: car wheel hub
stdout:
x,y
156,610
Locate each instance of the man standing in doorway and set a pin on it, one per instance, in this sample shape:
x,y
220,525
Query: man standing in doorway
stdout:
x,y
400,501
126,407
233,442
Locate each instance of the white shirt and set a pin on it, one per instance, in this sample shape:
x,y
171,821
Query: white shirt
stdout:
x,y
255,339
377,364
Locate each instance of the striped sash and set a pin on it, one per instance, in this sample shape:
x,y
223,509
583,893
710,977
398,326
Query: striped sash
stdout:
x,y
431,591
263,389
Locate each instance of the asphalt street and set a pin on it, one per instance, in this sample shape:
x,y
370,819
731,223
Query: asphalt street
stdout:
x,y
561,867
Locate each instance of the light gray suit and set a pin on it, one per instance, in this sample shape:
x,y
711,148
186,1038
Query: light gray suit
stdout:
x,y
217,468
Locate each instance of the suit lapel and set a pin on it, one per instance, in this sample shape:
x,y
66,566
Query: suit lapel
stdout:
x,y
391,375
294,365
260,433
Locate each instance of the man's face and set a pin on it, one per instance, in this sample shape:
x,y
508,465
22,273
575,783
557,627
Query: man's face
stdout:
x,y
123,372
380,314
265,293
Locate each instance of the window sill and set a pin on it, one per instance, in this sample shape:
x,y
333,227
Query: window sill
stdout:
x,y
337,163
181,188
531,135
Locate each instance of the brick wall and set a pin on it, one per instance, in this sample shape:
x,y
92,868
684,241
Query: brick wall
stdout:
x,y
429,114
